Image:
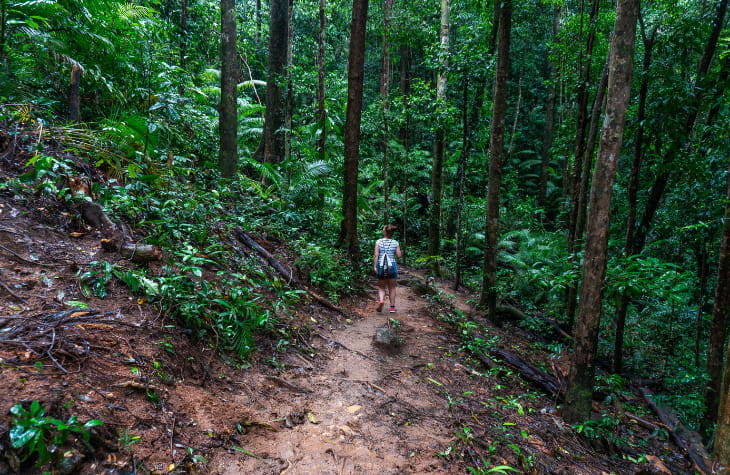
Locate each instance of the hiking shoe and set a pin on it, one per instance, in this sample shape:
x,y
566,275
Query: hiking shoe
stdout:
x,y
392,309
380,306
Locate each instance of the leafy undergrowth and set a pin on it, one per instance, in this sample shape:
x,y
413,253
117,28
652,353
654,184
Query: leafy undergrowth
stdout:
x,y
205,361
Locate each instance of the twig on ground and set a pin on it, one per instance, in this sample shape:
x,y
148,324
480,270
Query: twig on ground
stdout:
x,y
15,296
335,342
288,385
23,259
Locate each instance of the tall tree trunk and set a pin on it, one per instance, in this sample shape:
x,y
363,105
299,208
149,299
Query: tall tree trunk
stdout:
x,y
496,151
384,94
461,179
470,119
405,90
272,146
228,114
547,136
598,105
579,395
703,268
74,95
586,63
257,17
355,78
633,190
720,317
289,82
692,109
437,167
321,95
4,35
183,32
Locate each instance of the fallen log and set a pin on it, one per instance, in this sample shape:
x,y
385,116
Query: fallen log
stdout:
x,y
273,262
689,441
288,275
529,372
140,253
115,238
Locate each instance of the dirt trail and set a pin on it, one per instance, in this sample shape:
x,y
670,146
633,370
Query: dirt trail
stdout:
x,y
368,410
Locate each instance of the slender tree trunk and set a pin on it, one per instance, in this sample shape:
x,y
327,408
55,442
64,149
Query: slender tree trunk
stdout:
x,y
702,271
355,78
257,16
289,83
403,134
720,317
437,168
692,109
496,151
598,105
460,176
579,395
4,35
321,95
74,95
183,32
547,137
272,147
515,121
384,94
582,122
633,191
580,136
470,122
228,115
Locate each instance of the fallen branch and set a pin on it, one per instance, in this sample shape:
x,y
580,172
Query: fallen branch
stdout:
x,y
689,441
288,385
273,262
530,372
12,294
51,335
23,259
335,342
288,275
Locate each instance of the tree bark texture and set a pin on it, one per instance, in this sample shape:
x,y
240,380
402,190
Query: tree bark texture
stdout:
x,y
289,109
384,94
581,374
273,143
405,89
228,114
586,62
496,150
321,94
437,167
715,393
593,128
74,93
355,78
183,32
547,137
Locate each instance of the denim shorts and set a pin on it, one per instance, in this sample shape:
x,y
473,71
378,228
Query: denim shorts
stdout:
x,y
394,275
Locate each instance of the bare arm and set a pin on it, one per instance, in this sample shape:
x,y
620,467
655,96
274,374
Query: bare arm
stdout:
x,y
376,253
398,252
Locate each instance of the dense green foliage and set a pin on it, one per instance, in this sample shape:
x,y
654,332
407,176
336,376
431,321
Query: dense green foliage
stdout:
x,y
42,436
149,97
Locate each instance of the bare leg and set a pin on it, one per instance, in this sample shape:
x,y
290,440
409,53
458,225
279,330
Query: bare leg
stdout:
x,y
381,293
392,291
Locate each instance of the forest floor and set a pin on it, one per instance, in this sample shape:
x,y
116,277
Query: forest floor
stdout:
x,y
332,402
